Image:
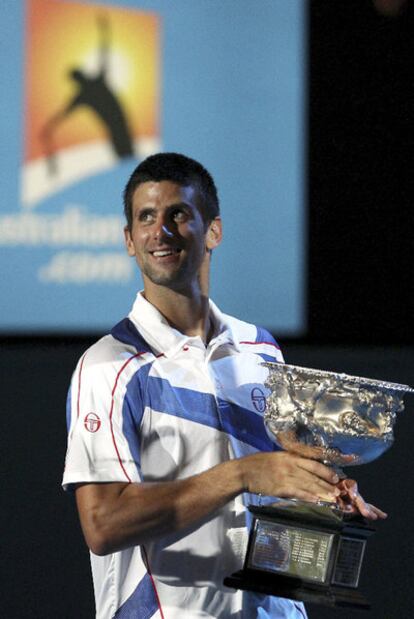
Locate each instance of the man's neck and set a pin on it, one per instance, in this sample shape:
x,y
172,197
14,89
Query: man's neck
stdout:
x,y
186,311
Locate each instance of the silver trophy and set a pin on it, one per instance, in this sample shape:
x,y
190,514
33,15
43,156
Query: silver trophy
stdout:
x,y
338,419
307,551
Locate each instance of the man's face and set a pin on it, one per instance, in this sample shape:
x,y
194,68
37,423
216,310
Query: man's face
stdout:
x,y
169,238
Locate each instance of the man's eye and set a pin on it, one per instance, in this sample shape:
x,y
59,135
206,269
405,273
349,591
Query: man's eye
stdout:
x,y
145,217
179,215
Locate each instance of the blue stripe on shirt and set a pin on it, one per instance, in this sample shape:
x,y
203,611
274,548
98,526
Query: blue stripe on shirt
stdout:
x,y
198,407
245,425
270,358
264,336
133,411
141,604
127,333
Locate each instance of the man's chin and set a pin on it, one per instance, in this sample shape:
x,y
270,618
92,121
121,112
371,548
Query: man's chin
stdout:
x,y
174,280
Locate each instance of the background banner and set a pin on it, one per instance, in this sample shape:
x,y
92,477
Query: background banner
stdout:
x,y
89,89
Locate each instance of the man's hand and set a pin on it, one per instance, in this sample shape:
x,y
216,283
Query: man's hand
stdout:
x,y
284,474
352,502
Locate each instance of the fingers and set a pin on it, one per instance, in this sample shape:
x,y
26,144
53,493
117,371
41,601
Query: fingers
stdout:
x,y
289,475
369,511
352,502
301,494
308,488
306,479
382,515
348,487
319,470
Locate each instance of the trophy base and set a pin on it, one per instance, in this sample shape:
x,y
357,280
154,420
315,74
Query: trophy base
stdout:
x,y
307,552
283,587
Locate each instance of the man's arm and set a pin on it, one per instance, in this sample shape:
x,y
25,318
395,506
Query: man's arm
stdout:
x,y
118,515
104,44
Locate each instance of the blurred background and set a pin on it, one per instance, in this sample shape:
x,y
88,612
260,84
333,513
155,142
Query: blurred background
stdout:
x,y
301,109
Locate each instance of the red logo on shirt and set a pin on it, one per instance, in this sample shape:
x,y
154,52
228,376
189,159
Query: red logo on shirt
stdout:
x,y
258,400
92,422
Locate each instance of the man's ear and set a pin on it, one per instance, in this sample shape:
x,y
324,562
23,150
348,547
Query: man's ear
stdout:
x,y
214,234
128,242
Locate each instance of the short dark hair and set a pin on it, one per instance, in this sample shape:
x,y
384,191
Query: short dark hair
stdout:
x,y
178,169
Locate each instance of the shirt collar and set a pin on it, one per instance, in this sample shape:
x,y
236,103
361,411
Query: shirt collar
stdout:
x,y
166,340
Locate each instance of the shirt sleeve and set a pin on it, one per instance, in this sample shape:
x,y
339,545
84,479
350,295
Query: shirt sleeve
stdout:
x,y
103,430
268,348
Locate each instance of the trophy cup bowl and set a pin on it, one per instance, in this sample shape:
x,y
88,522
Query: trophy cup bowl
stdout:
x,y
313,552
335,418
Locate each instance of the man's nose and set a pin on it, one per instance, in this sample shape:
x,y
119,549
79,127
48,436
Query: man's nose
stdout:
x,y
162,230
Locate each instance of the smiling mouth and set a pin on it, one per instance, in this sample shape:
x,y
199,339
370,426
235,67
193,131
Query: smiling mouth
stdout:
x,y
162,253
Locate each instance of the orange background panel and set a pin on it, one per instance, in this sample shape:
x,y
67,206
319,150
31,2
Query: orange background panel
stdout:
x,y
62,36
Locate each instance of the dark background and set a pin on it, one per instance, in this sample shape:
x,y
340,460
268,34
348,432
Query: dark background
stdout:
x,y
360,300
360,154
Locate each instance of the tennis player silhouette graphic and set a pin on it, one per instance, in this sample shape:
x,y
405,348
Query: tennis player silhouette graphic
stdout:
x,y
95,93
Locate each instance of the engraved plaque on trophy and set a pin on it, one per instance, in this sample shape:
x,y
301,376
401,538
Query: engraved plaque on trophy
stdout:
x,y
313,552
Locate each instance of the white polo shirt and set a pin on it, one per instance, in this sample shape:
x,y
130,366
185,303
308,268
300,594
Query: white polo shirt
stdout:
x,y
148,403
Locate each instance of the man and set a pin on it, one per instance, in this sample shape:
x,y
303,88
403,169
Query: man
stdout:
x,y
166,446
